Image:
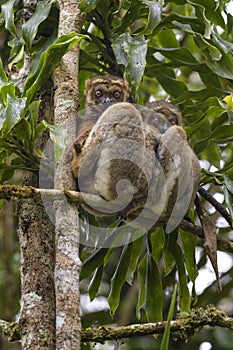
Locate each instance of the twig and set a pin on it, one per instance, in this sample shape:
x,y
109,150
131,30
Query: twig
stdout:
x,y
216,205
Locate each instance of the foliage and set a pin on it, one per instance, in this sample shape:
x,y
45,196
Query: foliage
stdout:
x,y
185,55
19,126
180,50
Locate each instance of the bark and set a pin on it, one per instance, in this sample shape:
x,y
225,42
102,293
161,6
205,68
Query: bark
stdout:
x,y
37,319
68,264
36,236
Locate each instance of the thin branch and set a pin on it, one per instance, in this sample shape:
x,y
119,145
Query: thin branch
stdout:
x,y
184,327
218,206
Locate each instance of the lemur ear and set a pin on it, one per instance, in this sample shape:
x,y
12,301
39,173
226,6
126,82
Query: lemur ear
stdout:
x,y
87,86
127,91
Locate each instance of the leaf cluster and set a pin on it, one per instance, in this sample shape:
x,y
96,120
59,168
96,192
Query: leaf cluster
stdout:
x,y
19,116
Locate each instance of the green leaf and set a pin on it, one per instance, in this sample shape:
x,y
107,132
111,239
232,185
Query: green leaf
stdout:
x,y
169,261
222,132
166,335
30,27
166,78
154,16
33,118
135,255
183,55
228,183
17,52
211,154
23,131
3,77
154,292
87,5
7,174
184,296
49,60
132,14
189,242
15,109
142,268
157,243
8,15
2,115
92,262
6,90
212,11
119,278
131,53
228,199
95,282
222,66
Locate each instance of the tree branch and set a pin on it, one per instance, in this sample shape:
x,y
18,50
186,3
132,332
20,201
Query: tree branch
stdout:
x,y
12,192
184,327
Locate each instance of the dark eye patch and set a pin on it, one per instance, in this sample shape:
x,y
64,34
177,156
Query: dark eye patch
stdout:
x,y
117,94
98,93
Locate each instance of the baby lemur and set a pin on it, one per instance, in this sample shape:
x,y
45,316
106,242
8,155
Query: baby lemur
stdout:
x,y
161,115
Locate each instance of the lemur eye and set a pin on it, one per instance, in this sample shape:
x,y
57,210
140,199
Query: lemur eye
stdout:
x,y
98,93
117,94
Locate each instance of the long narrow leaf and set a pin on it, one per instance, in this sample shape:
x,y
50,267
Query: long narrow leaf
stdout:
x,y
166,335
142,286
189,242
8,15
154,292
119,278
95,260
136,249
154,16
184,296
157,243
95,282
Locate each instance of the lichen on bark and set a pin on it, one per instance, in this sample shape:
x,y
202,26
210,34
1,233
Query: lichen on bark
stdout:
x,y
68,264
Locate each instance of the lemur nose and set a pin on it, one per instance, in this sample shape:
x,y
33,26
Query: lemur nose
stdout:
x,y
107,100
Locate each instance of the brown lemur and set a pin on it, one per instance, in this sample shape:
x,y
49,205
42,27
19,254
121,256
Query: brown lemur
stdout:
x,y
100,91
156,126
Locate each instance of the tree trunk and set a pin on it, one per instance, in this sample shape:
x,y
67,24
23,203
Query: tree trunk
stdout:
x,y
68,264
37,319
36,235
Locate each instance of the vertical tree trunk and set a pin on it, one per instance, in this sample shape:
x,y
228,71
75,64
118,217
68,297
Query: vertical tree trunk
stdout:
x,y
37,319
36,235
68,264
